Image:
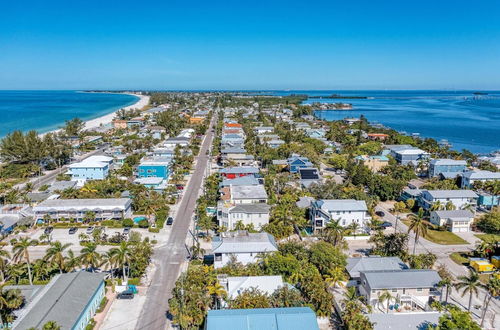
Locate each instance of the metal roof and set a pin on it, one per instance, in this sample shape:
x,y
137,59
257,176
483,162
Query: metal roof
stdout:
x,y
245,243
246,180
79,204
291,318
399,321
357,265
251,208
454,214
482,175
333,205
240,170
64,299
406,278
438,194
248,192
445,161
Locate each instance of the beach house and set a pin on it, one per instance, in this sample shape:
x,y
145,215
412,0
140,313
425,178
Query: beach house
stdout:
x,y
406,154
356,265
295,162
238,171
91,168
346,211
254,214
235,285
243,246
456,221
447,168
459,198
154,167
470,177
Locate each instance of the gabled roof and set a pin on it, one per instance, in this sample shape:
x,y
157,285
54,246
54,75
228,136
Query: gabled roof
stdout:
x,y
409,321
290,318
357,265
251,208
450,214
448,162
481,175
248,192
406,278
247,180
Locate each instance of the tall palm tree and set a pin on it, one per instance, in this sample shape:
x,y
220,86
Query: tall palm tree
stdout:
x,y
470,284
4,258
72,261
385,296
90,257
493,288
51,325
9,299
335,277
334,232
55,255
354,227
437,206
448,284
20,251
121,256
450,206
418,226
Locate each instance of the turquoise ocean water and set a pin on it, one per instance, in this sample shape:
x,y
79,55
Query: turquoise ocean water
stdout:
x,y
47,110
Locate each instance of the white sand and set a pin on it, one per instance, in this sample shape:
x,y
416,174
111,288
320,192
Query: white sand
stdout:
x,y
106,119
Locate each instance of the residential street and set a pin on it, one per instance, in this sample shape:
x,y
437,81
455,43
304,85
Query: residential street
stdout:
x,y
443,252
168,258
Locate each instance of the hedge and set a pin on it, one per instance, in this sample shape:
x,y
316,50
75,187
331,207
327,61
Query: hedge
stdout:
x,y
134,281
154,230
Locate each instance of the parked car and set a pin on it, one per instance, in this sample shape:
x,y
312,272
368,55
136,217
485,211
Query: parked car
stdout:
x,y
48,230
73,230
126,231
385,224
127,294
89,230
380,213
170,221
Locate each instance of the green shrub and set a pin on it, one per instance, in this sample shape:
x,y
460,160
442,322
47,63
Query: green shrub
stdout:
x,y
143,223
90,325
134,281
102,305
128,222
154,230
44,187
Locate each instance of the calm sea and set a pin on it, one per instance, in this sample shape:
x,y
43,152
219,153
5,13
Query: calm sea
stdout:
x,y
465,120
47,110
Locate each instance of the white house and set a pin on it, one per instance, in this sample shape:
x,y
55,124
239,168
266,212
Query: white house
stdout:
x,y
248,194
346,211
457,221
256,214
241,246
459,198
263,129
469,177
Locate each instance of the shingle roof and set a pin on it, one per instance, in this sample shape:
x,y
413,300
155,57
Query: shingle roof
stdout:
x,y
454,214
357,265
291,318
249,242
65,298
407,278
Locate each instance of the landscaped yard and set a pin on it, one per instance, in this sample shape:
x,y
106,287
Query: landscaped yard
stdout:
x,y
441,237
488,237
460,258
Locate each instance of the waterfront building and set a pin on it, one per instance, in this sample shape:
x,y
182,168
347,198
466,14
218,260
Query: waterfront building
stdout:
x,y
91,168
406,154
469,177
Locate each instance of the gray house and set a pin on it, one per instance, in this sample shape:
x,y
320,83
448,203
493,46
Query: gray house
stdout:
x,y
372,263
457,221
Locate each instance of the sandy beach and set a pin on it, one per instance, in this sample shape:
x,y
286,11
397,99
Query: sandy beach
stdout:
x,y
106,119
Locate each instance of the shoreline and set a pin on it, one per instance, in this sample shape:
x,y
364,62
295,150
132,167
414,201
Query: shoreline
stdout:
x,y
108,118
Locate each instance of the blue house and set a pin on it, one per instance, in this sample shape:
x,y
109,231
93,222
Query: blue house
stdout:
x,y
154,167
91,168
405,154
447,168
8,223
316,133
290,318
488,201
295,162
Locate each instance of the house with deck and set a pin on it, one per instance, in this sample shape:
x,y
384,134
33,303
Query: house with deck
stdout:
x,y
446,168
91,168
470,177
459,198
456,221
346,211
154,167
254,214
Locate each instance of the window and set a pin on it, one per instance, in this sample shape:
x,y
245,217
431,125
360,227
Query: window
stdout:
x,y
394,290
218,257
419,289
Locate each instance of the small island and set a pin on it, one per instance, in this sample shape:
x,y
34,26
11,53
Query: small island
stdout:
x,y
331,106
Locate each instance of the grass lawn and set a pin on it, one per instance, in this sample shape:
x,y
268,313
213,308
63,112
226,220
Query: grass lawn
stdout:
x,y
441,237
460,258
488,237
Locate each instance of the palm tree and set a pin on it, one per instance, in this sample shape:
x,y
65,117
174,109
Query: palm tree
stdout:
x,y
218,292
90,257
418,226
493,288
51,325
55,255
9,299
448,284
121,256
335,277
385,296
4,257
72,261
436,206
354,228
450,206
470,284
334,232
20,251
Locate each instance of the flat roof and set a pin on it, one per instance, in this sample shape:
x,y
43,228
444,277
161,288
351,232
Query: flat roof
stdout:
x,y
244,243
248,192
64,299
78,204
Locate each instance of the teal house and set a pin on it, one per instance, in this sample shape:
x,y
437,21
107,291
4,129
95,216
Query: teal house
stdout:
x,y
158,167
488,201
291,318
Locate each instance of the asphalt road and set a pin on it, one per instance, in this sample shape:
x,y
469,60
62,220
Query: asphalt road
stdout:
x,y
169,257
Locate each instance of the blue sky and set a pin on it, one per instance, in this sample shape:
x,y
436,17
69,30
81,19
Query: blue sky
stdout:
x,y
437,44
